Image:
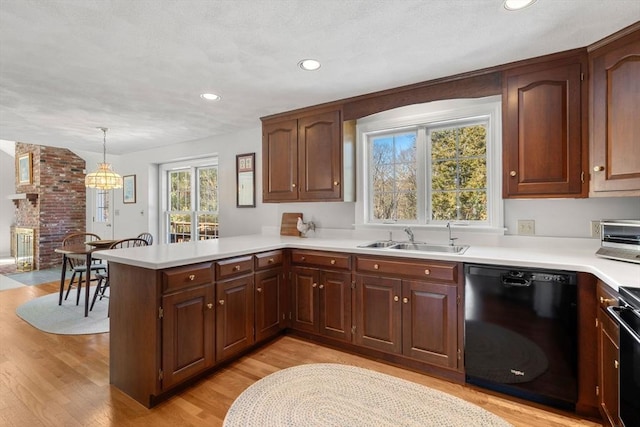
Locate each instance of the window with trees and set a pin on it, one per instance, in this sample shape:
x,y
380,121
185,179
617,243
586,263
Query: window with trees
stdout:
x,y
191,200
440,163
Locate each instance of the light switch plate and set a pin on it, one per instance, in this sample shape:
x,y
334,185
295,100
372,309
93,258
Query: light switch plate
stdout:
x,y
526,227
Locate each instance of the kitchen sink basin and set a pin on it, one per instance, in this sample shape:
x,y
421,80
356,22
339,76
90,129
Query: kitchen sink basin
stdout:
x,y
429,247
379,244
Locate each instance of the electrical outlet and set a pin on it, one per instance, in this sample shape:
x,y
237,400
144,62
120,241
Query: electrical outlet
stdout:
x,y
526,227
595,228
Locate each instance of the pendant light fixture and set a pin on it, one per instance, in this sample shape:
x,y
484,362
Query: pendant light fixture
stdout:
x,y
104,178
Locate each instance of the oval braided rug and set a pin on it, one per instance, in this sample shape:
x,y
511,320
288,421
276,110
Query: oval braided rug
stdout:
x,y
327,394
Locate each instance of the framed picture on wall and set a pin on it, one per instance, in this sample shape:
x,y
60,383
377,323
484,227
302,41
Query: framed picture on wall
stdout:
x,y
129,189
25,169
245,180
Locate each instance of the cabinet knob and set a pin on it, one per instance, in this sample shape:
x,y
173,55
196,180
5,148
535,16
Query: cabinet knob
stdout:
x,y
427,271
376,266
405,300
258,289
513,173
321,286
302,258
333,261
192,277
616,364
293,185
335,182
221,302
270,261
314,285
209,306
395,298
598,168
236,268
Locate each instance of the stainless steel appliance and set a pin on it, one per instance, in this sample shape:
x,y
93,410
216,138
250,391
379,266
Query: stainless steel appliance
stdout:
x,y
620,240
521,332
627,314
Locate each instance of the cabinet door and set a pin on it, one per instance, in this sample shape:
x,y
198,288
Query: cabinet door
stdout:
x,y
187,334
378,313
615,109
430,322
280,161
268,301
320,156
234,316
335,305
304,304
608,367
543,142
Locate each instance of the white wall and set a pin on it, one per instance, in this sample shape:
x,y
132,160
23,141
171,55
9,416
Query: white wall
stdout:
x,y
553,217
7,208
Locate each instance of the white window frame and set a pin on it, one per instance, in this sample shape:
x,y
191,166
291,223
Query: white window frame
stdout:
x,y
163,174
423,117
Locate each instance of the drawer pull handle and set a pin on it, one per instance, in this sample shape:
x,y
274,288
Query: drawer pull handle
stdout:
x,y
321,286
333,261
427,271
616,364
270,261
606,301
376,266
221,302
258,289
192,277
236,268
405,300
209,306
314,285
396,299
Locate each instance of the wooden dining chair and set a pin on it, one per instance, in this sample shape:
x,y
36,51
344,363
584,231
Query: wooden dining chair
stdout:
x,y
146,236
103,279
77,263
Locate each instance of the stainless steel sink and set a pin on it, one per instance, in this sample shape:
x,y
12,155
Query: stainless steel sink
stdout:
x,y
429,247
379,244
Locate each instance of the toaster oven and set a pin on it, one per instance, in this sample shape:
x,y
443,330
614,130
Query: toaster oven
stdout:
x,y
620,240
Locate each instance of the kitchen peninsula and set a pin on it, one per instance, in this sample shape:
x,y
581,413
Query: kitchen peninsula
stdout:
x,y
178,311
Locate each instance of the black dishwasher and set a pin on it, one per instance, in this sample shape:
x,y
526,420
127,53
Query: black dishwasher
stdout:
x,y
521,332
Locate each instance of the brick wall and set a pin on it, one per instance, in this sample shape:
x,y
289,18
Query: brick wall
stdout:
x,y
58,179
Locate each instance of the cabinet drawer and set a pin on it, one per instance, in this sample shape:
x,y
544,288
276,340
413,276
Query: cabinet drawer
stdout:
x,y
321,259
436,270
234,266
268,260
187,276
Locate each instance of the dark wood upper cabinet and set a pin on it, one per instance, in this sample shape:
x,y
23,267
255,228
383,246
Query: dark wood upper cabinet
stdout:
x,y
544,146
302,158
615,109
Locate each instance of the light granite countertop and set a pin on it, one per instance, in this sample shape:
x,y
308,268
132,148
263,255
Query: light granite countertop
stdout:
x,y
544,252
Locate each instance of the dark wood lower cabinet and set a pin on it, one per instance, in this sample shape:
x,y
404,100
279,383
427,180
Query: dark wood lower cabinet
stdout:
x,y
186,354
269,303
608,357
234,316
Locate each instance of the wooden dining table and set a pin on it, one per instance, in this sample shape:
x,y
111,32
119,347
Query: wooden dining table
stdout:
x,y
81,250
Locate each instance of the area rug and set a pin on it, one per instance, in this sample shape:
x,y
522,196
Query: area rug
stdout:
x,y
502,355
327,394
45,314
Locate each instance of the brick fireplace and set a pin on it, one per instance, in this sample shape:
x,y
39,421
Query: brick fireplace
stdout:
x,y
54,203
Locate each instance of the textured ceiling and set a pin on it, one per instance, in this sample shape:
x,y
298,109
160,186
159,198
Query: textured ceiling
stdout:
x,y
138,66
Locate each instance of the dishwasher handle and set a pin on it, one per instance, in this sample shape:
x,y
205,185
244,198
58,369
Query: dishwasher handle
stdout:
x,y
522,282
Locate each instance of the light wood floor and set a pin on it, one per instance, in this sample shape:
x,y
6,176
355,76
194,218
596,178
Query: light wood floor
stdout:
x,y
57,380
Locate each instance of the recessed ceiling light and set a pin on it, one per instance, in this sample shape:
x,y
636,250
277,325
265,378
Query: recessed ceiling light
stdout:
x,y
517,4
309,64
210,96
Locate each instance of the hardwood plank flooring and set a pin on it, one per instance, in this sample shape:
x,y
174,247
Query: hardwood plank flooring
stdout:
x,y
54,380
